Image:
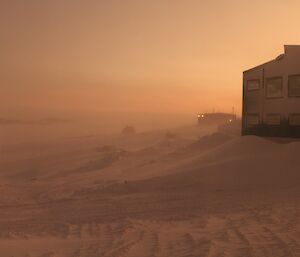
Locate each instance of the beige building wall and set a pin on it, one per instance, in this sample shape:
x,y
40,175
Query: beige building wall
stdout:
x,y
257,102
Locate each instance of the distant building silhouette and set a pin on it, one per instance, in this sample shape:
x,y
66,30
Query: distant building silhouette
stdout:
x,y
128,130
215,118
271,96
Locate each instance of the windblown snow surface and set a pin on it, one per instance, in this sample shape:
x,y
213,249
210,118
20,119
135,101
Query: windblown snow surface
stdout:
x,y
149,195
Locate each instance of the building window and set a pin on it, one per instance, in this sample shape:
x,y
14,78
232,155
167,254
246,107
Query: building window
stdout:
x,y
273,119
274,87
252,119
253,84
294,85
294,119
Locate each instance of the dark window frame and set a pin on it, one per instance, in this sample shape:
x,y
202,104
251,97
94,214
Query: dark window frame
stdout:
x,y
253,114
252,80
277,114
293,75
266,86
291,114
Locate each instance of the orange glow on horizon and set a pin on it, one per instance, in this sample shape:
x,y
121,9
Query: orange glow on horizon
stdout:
x,y
167,55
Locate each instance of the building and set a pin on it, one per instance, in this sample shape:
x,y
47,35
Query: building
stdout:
x,y
215,118
271,96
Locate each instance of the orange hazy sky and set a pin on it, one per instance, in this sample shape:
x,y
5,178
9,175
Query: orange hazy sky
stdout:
x,y
137,55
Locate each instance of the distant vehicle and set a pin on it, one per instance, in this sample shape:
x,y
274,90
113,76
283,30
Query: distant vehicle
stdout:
x,y
217,118
271,96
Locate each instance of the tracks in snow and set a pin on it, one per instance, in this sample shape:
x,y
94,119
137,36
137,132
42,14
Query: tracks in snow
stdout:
x,y
268,233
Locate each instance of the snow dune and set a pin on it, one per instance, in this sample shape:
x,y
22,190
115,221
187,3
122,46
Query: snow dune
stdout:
x,y
193,194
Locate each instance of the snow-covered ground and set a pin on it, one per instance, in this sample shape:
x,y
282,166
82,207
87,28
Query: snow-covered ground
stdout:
x,y
192,192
